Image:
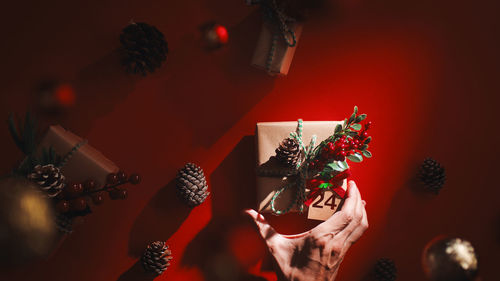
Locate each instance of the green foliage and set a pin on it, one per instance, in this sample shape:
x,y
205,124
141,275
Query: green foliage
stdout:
x,y
356,157
356,127
24,135
367,154
325,185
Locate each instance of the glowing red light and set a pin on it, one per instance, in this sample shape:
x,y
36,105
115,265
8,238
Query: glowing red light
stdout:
x,y
222,34
65,95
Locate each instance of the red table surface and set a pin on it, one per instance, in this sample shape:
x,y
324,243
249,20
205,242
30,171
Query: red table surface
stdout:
x,y
425,72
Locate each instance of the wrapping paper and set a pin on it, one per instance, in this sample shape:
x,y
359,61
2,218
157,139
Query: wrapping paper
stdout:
x,y
269,135
283,54
86,162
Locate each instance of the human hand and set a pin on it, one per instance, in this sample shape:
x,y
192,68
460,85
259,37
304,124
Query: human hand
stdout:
x,y
316,254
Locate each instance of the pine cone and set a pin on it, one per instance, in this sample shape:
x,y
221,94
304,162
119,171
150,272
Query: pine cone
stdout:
x,y
49,179
145,48
432,174
156,258
192,185
385,270
64,223
288,152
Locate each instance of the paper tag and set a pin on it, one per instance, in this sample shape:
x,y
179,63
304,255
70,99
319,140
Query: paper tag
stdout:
x,y
325,205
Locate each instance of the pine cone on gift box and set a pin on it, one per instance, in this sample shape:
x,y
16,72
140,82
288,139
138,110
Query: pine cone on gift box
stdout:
x,y
145,48
48,178
288,152
192,185
385,270
156,258
432,174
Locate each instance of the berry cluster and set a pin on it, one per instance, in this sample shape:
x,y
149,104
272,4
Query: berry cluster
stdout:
x,y
347,144
75,197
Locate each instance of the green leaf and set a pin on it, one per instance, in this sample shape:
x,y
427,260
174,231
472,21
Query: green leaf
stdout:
x,y
351,133
352,118
338,128
325,185
355,109
360,118
356,127
363,147
356,157
342,165
368,140
367,154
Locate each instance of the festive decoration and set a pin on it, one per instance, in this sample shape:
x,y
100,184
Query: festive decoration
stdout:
x,y
67,170
26,221
432,174
288,152
214,35
192,185
450,259
145,48
385,270
48,178
54,97
324,167
156,258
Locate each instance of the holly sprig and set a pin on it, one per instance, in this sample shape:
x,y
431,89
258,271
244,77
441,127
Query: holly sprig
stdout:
x,y
350,141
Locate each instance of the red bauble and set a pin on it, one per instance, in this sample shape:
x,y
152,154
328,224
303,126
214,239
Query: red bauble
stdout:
x,y
134,179
222,34
78,204
62,206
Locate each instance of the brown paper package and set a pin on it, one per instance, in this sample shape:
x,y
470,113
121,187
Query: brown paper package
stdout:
x,y
283,54
269,135
86,163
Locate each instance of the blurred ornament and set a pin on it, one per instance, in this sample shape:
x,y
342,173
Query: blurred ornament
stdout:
x,y
54,97
156,258
214,35
432,174
191,185
27,229
385,270
450,259
144,46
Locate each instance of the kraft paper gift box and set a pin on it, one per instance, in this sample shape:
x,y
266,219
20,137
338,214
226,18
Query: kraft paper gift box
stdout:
x,y
283,54
269,135
85,163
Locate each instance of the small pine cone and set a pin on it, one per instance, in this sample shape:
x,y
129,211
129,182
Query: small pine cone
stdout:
x,y
385,270
145,48
64,223
192,185
48,178
288,152
156,258
432,174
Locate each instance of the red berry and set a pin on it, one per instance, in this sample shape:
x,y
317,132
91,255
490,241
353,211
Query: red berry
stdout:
x,y
118,194
73,190
62,206
78,204
353,151
368,125
89,185
343,153
112,178
122,176
134,179
98,198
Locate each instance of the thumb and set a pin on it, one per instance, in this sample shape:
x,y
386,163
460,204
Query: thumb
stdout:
x,y
266,231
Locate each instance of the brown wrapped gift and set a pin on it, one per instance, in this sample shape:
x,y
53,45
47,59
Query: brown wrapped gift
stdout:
x,y
85,163
269,135
283,54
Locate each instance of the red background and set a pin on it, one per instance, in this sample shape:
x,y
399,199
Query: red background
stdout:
x,y
426,73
